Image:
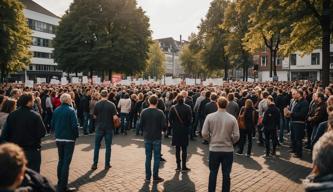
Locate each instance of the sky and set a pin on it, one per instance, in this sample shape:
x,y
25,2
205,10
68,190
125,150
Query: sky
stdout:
x,y
168,18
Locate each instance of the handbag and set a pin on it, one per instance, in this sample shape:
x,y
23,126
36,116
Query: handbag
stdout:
x,y
241,119
116,123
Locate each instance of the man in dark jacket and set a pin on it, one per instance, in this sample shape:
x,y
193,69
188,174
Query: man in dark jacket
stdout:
x,y
298,116
319,115
65,123
202,109
209,108
25,128
180,118
271,122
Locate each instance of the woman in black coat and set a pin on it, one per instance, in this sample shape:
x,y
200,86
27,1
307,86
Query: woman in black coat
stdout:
x,y
249,113
271,122
180,118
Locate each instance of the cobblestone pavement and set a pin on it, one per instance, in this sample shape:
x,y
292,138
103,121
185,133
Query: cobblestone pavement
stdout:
x,y
282,173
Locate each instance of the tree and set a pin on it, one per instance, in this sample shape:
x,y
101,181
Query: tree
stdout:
x,y
213,54
312,27
103,35
236,24
15,38
155,62
269,28
190,56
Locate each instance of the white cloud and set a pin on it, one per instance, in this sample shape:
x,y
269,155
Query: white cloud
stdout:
x,y
167,17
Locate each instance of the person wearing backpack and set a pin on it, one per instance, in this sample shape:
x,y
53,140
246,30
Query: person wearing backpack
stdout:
x,y
180,118
271,121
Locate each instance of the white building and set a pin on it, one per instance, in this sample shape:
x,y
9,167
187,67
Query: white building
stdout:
x,y
296,67
43,24
307,67
171,49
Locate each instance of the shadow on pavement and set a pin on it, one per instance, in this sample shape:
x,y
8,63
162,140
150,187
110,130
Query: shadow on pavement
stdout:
x,y
84,179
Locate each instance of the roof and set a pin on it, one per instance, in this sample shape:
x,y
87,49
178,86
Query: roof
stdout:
x,y
33,6
169,42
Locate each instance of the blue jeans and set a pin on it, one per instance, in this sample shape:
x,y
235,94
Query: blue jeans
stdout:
x,y
65,153
215,159
91,123
151,146
85,122
124,122
138,128
108,141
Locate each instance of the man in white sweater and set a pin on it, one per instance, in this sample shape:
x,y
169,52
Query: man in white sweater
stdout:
x,y
222,130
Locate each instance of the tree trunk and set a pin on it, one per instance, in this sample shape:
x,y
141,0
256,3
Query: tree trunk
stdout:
x,y
325,25
274,62
110,75
270,62
226,71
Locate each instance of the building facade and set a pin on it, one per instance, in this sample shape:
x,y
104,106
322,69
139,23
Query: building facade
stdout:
x,y
294,67
43,24
171,49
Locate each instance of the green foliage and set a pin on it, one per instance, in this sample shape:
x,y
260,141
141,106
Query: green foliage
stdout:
x,y
15,37
155,63
213,37
236,23
100,35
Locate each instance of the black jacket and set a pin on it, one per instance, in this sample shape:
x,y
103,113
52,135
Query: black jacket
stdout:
x,y
25,128
33,181
300,111
180,125
271,118
210,107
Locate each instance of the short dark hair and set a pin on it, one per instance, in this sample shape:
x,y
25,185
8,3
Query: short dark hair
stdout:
x,y
222,102
12,161
24,99
153,100
231,96
213,97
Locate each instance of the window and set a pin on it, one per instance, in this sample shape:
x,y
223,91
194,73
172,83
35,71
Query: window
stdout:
x,y
263,60
42,55
41,26
292,59
45,68
279,61
36,41
315,58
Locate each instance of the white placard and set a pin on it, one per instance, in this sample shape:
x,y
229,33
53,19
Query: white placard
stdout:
x,y
96,80
125,82
169,81
64,81
41,80
189,81
29,83
54,82
217,82
75,80
84,79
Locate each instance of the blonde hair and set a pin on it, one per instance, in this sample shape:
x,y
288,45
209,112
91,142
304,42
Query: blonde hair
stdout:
x,y
248,103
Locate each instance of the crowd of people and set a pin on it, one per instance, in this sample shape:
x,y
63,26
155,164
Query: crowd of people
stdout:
x,y
228,118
